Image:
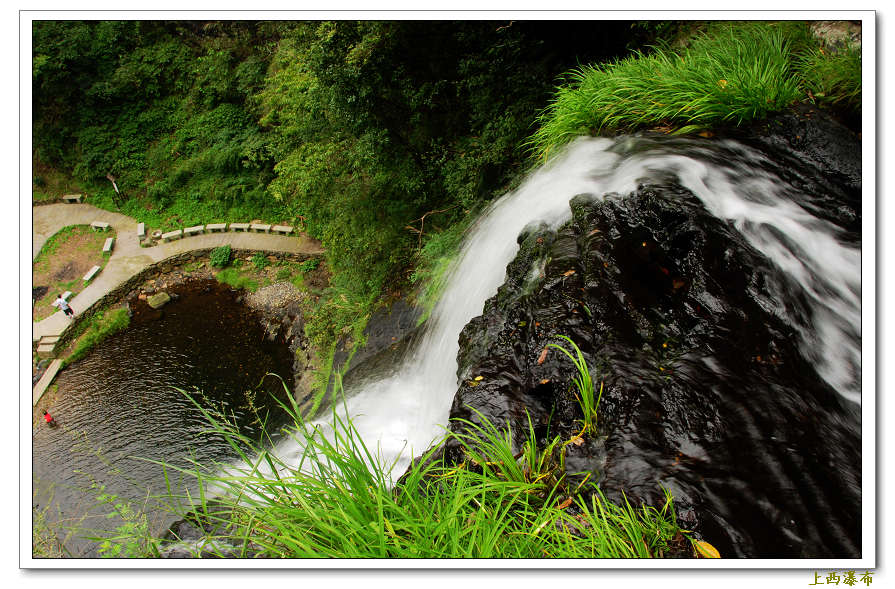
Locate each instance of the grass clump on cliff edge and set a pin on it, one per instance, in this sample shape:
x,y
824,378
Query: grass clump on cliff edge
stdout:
x,y
97,328
731,73
336,500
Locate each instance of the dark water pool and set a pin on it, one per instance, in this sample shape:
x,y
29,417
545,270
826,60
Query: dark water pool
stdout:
x,y
119,406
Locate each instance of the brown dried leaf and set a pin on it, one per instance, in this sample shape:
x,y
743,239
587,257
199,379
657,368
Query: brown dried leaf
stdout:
x,y
569,273
565,503
543,356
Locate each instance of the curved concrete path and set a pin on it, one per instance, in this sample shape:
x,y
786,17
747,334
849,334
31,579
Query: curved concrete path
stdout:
x,y
128,258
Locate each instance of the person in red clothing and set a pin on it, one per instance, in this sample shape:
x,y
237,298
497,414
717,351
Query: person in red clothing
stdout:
x,y
49,418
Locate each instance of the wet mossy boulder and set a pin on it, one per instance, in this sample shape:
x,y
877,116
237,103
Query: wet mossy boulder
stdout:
x,y
158,300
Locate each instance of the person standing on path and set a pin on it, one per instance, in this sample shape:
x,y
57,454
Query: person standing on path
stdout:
x,y
63,304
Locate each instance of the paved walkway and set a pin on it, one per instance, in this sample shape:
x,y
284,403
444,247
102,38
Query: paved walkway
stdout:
x,y
128,258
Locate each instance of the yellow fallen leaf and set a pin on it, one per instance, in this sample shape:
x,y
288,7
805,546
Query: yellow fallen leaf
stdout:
x,y
577,440
569,273
478,378
705,550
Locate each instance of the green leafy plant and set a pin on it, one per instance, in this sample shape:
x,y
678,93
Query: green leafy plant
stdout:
x,y
584,386
309,265
220,256
260,261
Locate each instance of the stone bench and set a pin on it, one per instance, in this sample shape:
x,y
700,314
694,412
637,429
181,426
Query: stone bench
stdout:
x,y
284,229
194,230
239,226
260,228
72,198
141,230
107,247
93,272
172,235
99,225
212,227
46,350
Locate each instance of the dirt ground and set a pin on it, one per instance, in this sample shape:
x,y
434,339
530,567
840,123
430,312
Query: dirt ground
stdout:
x,y
61,266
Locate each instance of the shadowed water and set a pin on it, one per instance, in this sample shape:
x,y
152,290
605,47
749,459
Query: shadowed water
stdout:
x,y
118,408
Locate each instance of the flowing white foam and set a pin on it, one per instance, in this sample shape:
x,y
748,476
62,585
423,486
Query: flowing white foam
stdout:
x,y
401,415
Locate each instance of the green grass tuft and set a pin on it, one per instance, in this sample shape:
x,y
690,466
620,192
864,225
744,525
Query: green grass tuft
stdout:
x,y
730,73
237,279
585,393
336,500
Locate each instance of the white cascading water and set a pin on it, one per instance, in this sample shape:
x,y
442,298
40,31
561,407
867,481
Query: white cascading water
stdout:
x,y
401,415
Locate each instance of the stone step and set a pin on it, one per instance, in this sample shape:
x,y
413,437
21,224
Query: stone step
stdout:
x,y
45,350
49,339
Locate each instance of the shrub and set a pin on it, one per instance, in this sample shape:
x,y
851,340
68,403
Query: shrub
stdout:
x,y
309,265
260,261
220,256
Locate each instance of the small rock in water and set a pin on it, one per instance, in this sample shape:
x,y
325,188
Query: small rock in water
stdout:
x,y
157,301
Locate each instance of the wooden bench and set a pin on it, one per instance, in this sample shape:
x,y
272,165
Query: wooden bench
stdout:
x,y
193,230
284,229
172,235
93,272
239,226
260,228
107,247
72,198
141,230
212,227
99,225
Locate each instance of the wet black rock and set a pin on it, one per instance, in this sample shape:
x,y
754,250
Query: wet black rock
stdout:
x,y
705,391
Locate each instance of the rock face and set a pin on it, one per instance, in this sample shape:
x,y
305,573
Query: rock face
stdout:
x,y
705,390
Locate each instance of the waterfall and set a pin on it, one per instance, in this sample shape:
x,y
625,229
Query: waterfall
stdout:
x,y
399,416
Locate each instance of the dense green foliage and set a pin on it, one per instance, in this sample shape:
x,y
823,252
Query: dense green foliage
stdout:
x,y
730,73
376,137
336,500
353,131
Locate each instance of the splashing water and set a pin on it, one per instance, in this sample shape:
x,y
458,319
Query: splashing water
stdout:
x,y
401,415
